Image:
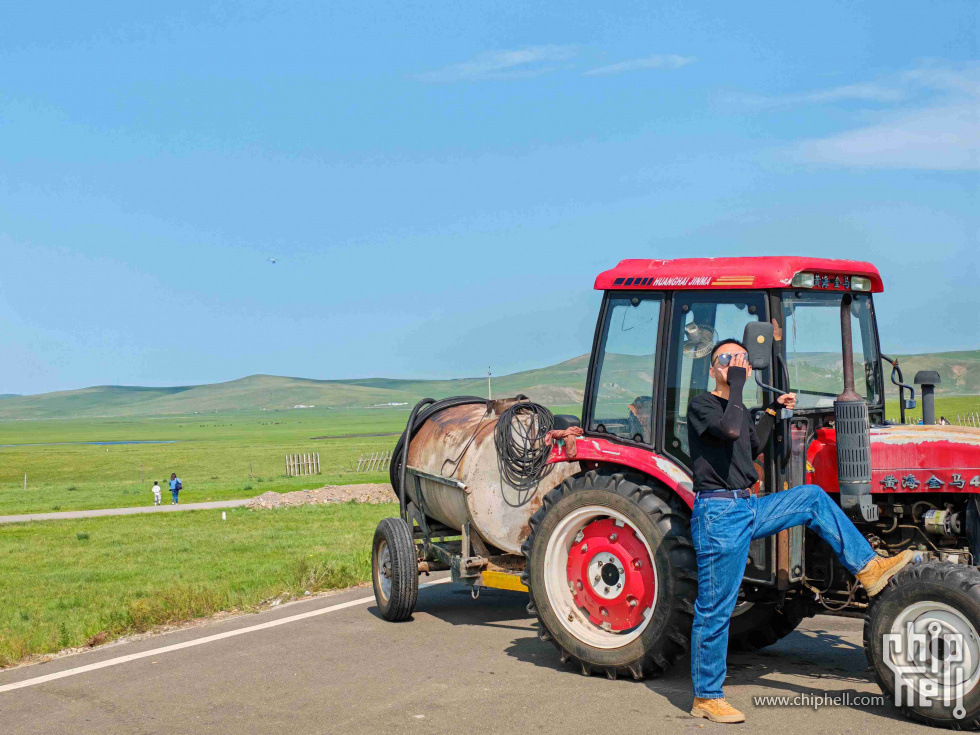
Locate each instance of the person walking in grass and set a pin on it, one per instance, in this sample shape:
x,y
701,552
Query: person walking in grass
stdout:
x,y
175,487
156,492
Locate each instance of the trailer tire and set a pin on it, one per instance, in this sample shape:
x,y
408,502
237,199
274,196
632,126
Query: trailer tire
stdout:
x,y
924,594
763,624
659,520
394,569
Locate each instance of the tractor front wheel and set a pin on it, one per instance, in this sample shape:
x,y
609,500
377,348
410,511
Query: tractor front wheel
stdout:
x,y
395,569
612,574
921,639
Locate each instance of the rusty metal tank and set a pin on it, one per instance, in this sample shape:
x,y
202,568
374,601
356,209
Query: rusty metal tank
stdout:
x,y
458,444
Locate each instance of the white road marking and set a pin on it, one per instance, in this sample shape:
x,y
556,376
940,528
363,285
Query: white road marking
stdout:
x,y
196,642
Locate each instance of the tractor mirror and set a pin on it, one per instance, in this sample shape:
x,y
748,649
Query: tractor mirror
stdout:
x,y
757,339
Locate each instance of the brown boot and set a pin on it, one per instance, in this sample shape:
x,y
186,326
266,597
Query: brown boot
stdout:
x,y
879,570
716,710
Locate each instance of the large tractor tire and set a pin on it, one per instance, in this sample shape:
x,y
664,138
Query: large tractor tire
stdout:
x,y
755,625
612,574
941,603
395,569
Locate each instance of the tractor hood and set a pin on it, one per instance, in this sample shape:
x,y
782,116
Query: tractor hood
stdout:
x,y
911,459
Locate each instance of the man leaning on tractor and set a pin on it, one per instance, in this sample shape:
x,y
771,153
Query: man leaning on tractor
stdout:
x,y
727,517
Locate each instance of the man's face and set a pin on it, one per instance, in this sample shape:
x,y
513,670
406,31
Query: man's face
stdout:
x,y
719,371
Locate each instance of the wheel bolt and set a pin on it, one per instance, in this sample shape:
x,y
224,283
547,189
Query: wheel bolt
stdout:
x,y
607,590
603,611
613,537
585,547
579,584
637,564
596,579
619,586
631,601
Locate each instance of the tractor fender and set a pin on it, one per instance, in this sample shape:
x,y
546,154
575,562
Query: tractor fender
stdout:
x,y
603,451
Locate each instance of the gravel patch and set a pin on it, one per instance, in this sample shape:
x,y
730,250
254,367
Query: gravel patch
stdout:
x,y
366,493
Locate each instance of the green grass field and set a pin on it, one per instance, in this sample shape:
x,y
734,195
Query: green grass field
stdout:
x,y
211,456
65,582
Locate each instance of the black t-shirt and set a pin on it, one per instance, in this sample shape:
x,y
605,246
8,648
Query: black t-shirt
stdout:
x,y
723,446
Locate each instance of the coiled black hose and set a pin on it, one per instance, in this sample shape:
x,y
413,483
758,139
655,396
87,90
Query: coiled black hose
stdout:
x,y
521,451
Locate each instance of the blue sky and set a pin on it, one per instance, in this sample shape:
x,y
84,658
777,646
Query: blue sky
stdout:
x,y
441,182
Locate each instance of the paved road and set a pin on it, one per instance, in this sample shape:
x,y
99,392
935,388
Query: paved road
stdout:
x,y
460,666
123,511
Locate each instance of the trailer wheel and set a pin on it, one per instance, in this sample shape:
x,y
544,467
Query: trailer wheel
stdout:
x,y
939,603
756,625
395,569
612,574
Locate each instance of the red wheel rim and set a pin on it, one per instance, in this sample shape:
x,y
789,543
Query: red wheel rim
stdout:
x,y
611,575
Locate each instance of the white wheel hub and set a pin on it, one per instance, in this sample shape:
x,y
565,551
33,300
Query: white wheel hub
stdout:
x,y
934,648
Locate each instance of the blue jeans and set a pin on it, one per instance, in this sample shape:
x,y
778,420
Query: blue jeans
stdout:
x,y
173,495
722,529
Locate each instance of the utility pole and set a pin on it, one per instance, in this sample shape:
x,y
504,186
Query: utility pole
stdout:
x,y
489,392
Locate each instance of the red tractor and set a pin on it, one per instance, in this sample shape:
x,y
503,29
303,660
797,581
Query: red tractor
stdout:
x,y
595,528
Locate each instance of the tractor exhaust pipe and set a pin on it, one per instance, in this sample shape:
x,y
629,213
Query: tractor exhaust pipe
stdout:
x,y
928,379
853,429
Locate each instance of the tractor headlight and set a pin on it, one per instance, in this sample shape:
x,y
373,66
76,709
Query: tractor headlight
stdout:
x,y
860,283
803,280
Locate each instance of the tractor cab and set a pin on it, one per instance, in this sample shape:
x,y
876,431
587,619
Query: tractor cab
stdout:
x,y
660,320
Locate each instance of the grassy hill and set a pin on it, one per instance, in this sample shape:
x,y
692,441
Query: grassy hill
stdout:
x,y
560,384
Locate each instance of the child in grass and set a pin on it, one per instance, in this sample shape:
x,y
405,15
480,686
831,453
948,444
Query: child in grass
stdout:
x,y
156,492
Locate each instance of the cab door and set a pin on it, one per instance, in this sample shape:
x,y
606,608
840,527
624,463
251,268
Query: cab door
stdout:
x,y
697,321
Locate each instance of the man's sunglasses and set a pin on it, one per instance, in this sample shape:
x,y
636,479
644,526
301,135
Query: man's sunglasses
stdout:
x,y
725,358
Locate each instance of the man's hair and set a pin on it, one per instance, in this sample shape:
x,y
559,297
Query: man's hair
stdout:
x,y
174,474
722,344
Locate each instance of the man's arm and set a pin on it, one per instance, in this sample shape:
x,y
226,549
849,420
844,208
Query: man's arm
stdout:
x,y
761,431
728,426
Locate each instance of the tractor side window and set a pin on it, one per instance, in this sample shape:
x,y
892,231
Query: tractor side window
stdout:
x,y
698,323
622,398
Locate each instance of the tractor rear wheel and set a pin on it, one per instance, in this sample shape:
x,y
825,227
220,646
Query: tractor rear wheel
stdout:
x,y
612,573
931,615
394,569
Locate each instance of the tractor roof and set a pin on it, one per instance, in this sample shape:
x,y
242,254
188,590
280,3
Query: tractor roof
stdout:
x,y
734,273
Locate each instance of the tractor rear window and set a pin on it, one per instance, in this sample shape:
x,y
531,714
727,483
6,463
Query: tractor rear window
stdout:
x,y
813,347
622,398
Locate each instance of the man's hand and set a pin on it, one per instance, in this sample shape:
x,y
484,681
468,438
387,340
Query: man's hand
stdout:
x,y
741,360
787,400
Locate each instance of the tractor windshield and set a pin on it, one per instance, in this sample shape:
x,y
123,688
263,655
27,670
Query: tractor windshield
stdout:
x,y
813,347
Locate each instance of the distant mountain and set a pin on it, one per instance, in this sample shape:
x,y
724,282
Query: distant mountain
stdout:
x,y
561,384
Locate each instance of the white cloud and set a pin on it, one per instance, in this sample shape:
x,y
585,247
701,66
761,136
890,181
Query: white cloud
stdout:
x,y
514,64
657,61
868,92
940,130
